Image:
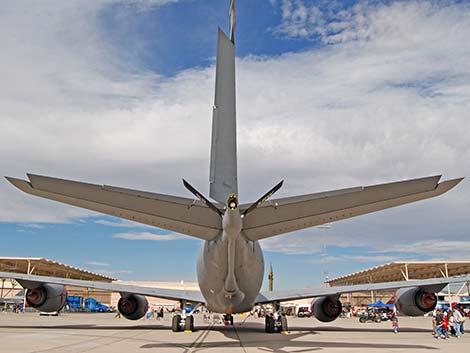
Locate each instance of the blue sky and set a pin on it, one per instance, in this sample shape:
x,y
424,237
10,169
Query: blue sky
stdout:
x,y
331,94
182,35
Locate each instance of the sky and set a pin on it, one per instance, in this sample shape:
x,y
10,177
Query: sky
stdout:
x,y
330,94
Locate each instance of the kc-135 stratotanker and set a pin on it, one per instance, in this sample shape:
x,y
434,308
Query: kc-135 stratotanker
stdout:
x,y
230,267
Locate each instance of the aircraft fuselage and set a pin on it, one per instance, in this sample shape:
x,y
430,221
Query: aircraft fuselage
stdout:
x,y
230,268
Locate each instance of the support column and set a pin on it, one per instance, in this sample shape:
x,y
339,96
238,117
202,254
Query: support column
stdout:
x,y
24,297
447,276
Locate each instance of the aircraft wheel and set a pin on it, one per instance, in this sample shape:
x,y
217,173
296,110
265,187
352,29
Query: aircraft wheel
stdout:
x,y
175,323
189,323
269,327
284,326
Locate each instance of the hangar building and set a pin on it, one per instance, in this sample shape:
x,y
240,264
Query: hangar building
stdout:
x,y
45,267
404,271
393,271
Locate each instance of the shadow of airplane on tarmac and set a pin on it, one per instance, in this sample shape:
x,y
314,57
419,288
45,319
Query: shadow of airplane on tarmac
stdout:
x,y
255,337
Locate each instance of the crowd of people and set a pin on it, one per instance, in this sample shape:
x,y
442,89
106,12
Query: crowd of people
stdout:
x,y
12,307
156,313
450,322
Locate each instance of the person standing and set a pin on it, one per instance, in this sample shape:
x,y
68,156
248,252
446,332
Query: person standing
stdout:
x,y
436,321
445,325
458,320
395,324
464,317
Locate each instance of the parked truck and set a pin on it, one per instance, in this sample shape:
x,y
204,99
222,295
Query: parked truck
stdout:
x,y
76,303
93,305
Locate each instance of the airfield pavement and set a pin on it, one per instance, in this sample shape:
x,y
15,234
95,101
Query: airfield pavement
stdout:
x,y
74,333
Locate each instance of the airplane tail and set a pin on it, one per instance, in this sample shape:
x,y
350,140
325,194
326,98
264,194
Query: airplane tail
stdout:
x,y
223,164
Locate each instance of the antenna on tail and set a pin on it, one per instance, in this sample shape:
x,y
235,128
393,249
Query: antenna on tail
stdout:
x,y
232,21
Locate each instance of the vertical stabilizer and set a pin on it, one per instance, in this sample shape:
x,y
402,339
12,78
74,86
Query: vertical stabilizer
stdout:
x,y
223,168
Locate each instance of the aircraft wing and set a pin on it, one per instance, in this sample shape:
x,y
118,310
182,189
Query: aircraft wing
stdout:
x,y
172,294
178,214
293,213
433,285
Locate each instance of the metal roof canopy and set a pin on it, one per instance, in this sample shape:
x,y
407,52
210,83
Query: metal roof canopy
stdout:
x,y
46,267
404,271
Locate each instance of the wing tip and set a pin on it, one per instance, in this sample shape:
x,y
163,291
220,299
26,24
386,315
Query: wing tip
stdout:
x,y
21,184
449,184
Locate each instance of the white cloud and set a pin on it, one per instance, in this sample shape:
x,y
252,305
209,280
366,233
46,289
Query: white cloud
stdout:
x,y
33,226
273,2
388,99
147,236
122,224
369,258
97,263
437,249
299,19
112,272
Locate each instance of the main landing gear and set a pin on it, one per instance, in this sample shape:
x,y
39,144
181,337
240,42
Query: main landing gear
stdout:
x,y
183,322
180,323
276,321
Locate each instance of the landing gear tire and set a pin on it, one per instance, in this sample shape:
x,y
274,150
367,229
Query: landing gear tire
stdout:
x,y
175,323
284,327
269,324
189,323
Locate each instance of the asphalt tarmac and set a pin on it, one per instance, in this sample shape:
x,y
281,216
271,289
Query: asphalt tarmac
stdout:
x,y
78,333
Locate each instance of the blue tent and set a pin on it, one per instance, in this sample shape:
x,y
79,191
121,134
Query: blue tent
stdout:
x,y
380,304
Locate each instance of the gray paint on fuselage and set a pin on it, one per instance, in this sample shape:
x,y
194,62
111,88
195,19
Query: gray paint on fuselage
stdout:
x,y
230,268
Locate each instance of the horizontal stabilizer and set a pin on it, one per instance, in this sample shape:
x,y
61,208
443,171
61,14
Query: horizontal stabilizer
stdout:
x,y
294,213
178,214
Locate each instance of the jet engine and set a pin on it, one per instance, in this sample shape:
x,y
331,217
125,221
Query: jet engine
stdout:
x,y
415,301
133,306
326,309
47,298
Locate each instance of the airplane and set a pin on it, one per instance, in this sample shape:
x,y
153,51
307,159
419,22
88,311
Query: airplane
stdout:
x,y
230,265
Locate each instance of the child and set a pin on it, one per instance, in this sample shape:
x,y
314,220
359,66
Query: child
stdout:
x,y
443,330
395,324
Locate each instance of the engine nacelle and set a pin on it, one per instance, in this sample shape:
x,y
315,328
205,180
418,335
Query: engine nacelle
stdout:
x,y
133,306
47,298
415,301
326,309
